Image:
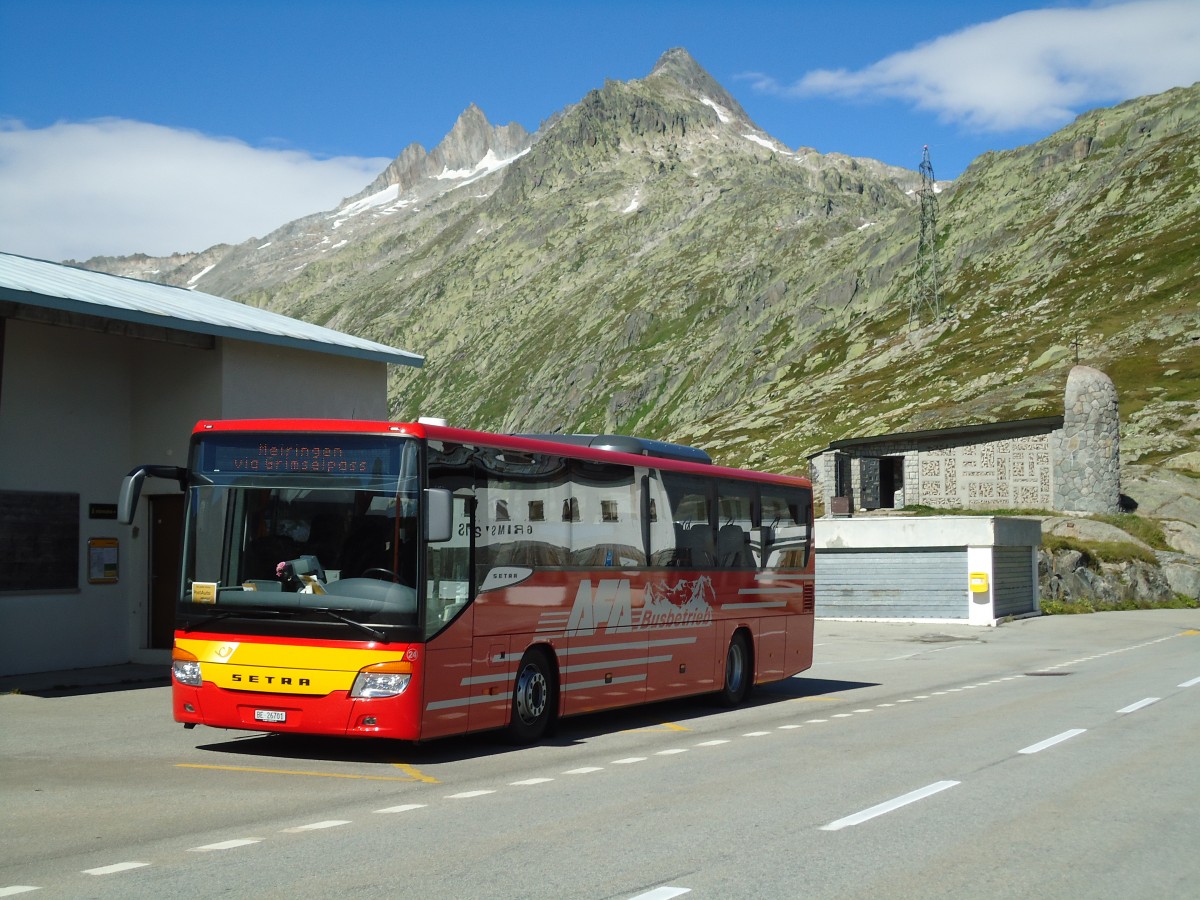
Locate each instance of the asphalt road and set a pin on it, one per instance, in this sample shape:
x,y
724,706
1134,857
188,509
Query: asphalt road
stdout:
x,y
1046,758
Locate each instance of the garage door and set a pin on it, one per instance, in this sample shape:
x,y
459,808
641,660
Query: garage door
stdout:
x,y
924,583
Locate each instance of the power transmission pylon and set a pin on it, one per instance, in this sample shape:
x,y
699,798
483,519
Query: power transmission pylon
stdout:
x,y
926,296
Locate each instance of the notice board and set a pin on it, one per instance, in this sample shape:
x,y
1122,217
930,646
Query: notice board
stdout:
x,y
39,541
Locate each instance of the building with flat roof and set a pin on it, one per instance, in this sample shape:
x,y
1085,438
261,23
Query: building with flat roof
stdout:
x,y
99,374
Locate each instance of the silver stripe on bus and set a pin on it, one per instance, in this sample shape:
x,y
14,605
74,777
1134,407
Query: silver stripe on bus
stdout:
x,y
466,701
615,663
758,604
635,645
588,685
793,589
487,679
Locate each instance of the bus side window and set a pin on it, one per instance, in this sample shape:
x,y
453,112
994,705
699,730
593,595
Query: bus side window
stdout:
x,y
448,568
735,506
786,519
606,527
692,540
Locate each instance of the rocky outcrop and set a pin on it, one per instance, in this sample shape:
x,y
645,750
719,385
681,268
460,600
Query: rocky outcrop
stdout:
x,y
1073,576
1077,573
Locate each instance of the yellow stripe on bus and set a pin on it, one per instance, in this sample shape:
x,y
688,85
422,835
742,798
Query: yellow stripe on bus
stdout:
x,y
283,668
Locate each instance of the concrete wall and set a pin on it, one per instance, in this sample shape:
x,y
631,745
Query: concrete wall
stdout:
x,y
968,569
79,409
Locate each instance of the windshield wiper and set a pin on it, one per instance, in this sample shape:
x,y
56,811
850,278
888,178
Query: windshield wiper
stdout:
x,y
226,613
366,629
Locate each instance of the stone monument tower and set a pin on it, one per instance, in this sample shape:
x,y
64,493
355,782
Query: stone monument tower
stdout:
x,y
1088,475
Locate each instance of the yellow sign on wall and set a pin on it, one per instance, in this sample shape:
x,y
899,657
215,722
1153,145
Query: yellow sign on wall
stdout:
x,y
103,560
979,582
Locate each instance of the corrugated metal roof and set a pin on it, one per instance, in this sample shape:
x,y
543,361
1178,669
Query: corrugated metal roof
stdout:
x,y
51,285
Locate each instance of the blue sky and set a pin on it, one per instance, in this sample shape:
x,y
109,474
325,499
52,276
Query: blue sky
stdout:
x,y
137,126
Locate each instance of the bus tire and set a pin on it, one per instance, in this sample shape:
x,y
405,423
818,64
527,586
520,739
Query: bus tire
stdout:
x,y
738,671
534,698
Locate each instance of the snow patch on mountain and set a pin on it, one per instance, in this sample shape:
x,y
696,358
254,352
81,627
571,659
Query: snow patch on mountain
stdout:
x,y
722,113
490,163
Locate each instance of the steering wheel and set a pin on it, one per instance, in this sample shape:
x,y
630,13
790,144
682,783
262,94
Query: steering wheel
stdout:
x,y
381,574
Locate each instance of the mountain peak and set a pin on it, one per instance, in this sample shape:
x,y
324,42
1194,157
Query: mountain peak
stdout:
x,y
676,60
681,67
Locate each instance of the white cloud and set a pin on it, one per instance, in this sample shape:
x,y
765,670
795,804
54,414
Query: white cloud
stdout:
x,y
115,187
1028,70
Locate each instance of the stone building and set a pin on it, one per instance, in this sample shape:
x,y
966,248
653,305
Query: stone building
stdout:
x,y
1068,463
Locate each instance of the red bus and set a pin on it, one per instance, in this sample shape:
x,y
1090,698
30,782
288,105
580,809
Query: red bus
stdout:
x,y
413,581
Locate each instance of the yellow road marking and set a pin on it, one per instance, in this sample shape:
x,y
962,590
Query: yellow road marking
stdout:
x,y
416,775
667,726
411,777
1191,631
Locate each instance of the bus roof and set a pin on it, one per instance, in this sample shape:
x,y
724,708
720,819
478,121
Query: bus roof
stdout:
x,y
597,448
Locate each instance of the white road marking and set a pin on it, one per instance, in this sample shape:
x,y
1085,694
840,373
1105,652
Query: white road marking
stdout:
x,y
671,752
225,845
13,889
627,760
662,893
116,867
889,806
714,743
1050,742
407,807
531,781
317,826
755,733
1141,704
584,770
1192,683
467,795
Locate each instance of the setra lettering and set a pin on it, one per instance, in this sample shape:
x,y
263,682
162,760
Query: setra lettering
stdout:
x,y
281,680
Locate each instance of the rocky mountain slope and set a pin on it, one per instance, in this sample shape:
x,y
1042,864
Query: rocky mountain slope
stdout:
x,y
653,262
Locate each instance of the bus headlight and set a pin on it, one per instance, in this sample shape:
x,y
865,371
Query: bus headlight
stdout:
x,y
186,668
382,680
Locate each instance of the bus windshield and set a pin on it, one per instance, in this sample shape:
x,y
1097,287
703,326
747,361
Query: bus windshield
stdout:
x,y
318,527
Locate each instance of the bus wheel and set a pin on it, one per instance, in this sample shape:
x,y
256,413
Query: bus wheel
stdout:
x,y
533,698
737,672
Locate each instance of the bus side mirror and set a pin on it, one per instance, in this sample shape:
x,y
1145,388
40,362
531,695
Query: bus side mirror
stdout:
x,y
439,515
131,488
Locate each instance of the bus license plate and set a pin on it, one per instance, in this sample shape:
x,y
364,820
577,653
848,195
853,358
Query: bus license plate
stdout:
x,y
270,715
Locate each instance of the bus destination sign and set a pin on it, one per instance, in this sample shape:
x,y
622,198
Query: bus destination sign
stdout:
x,y
308,455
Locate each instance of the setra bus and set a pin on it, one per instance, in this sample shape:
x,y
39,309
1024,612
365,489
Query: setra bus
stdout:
x,y
414,581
